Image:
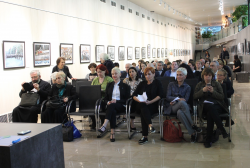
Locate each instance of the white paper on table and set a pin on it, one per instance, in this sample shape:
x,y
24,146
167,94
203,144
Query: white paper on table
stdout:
x,y
205,101
177,98
143,97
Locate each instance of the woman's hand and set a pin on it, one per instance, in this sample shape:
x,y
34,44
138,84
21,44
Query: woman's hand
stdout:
x,y
210,89
182,99
73,78
172,103
125,80
205,89
65,100
148,102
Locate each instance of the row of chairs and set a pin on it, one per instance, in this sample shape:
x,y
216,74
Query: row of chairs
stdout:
x,y
90,104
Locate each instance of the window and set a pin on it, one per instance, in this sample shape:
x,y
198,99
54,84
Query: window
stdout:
x,y
122,7
130,10
157,21
143,16
137,13
153,20
103,1
148,18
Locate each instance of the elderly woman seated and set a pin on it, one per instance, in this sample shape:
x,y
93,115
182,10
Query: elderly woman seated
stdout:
x,y
63,93
211,103
53,78
154,91
177,96
115,98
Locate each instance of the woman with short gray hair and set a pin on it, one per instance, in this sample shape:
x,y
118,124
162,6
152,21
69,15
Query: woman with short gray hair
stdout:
x,y
104,58
53,77
178,94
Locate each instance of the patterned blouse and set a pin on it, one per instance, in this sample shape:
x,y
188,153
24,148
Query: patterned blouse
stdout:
x,y
133,84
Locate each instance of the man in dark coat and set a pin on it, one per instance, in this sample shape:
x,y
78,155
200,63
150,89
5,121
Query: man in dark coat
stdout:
x,y
29,114
224,54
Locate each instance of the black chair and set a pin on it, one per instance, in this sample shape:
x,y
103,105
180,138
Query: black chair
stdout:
x,y
78,85
74,81
89,97
165,81
100,112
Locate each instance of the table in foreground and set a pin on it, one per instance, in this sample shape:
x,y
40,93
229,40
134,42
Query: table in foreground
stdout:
x,y
43,148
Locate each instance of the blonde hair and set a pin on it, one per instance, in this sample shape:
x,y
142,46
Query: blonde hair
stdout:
x,y
116,69
62,74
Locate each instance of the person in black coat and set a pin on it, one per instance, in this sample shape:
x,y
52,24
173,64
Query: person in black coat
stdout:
x,y
190,73
115,98
222,78
62,67
105,60
237,64
224,54
29,114
222,66
61,91
207,55
154,91
140,73
160,68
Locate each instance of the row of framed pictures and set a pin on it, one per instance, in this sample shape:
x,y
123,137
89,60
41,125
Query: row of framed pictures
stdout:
x,y
240,48
14,53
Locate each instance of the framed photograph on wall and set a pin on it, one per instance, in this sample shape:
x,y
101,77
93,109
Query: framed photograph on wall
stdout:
x,y
174,52
13,54
149,51
162,52
166,52
98,50
137,52
158,52
143,52
111,52
243,48
121,53
130,53
248,44
153,52
66,51
85,53
42,54
239,48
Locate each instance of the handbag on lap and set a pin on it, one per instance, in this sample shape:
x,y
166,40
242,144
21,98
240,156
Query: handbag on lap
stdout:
x,y
29,99
54,102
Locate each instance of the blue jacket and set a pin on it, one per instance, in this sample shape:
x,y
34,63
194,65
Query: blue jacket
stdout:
x,y
167,73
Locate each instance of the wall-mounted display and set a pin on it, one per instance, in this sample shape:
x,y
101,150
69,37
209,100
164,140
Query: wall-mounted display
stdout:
x,y
166,52
170,52
174,52
121,53
42,54
143,52
111,52
162,52
66,51
99,49
239,48
13,54
137,52
130,53
242,48
149,51
158,52
153,53
85,53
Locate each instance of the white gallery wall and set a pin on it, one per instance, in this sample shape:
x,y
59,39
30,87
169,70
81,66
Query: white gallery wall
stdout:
x,y
81,22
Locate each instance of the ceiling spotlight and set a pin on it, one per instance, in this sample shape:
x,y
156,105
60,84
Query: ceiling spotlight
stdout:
x,y
173,11
169,8
165,4
160,3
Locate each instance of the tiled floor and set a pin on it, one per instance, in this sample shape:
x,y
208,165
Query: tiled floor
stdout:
x,y
90,151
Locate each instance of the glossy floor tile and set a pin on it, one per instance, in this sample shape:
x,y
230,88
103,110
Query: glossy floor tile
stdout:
x,y
92,152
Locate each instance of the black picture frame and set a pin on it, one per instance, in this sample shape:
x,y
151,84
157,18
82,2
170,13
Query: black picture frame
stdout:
x,y
129,53
41,54
121,53
137,52
85,53
66,51
111,52
13,54
98,50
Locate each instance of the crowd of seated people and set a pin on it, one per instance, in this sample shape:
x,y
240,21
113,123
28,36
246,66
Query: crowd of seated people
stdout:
x,y
137,81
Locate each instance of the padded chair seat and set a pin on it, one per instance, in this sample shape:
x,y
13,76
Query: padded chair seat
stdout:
x,y
224,115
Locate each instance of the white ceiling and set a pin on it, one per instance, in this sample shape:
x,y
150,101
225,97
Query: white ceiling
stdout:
x,y
203,11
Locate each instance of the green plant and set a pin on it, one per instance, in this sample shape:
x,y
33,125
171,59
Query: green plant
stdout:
x,y
239,11
207,34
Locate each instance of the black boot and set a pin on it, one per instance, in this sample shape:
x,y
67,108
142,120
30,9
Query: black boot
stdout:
x,y
224,132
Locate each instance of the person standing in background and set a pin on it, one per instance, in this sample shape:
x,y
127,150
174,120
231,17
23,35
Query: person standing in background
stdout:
x,y
224,54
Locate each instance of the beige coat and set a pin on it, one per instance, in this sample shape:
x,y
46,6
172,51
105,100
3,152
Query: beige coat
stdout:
x,y
217,95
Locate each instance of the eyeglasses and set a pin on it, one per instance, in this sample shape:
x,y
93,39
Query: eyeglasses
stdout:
x,y
219,75
34,77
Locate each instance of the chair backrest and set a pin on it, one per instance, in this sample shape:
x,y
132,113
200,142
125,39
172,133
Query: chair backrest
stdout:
x,y
192,83
88,95
224,88
82,83
165,81
74,81
68,83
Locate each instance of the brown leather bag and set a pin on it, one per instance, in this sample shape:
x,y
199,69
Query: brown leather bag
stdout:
x,y
170,132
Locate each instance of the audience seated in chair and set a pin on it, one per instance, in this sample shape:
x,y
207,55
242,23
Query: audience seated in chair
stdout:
x,y
160,68
157,74
62,91
154,91
172,72
53,78
115,98
133,81
92,75
140,73
103,79
180,107
42,88
124,74
211,104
